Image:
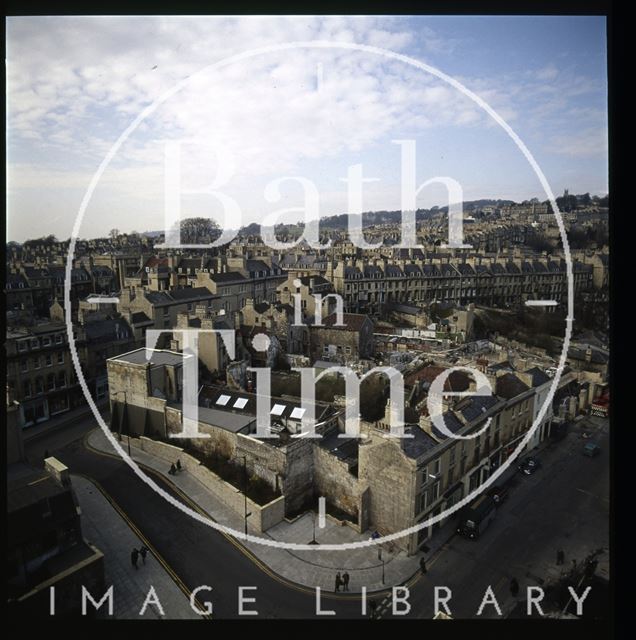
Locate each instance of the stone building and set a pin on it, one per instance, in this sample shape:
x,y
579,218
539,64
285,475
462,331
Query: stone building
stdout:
x,y
146,391
40,373
345,344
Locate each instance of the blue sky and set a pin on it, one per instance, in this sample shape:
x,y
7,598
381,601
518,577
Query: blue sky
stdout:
x,y
74,84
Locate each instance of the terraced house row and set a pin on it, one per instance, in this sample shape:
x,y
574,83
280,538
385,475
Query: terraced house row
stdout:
x,y
503,282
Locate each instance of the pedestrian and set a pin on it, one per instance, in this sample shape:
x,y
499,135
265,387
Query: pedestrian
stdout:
x,y
134,555
345,581
143,552
338,581
173,469
514,587
373,605
178,465
560,557
423,564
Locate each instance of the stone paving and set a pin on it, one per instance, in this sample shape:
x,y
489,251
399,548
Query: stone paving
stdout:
x,y
312,568
111,534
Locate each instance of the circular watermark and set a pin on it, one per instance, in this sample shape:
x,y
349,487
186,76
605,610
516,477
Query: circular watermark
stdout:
x,y
246,55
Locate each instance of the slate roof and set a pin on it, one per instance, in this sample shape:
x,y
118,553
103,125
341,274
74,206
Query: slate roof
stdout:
x,y
352,321
509,386
539,377
419,444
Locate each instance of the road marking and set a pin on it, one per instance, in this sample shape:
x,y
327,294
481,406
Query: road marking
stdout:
x,y
589,493
541,303
244,550
146,542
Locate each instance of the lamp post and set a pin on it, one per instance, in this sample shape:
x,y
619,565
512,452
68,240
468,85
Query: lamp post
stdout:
x,y
124,415
382,560
246,514
313,539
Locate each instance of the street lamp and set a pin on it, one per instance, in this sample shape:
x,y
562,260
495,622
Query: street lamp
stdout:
x,y
382,560
246,514
313,540
124,415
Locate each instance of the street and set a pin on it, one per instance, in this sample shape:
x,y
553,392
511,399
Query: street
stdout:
x,y
564,505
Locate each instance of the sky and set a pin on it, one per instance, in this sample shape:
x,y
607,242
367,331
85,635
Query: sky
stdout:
x,y
262,136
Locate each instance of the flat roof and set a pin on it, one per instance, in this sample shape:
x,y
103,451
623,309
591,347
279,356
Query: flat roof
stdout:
x,y
226,420
156,357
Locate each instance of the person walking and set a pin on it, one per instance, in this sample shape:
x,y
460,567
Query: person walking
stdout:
x,y
143,552
423,564
373,605
338,581
560,557
178,465
134,555
345,581
514,587
173,469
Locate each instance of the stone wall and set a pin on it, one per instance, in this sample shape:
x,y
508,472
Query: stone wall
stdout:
x,y
262,516
333,480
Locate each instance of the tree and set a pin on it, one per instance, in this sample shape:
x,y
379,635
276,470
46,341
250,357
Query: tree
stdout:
x,y
113,233
199,231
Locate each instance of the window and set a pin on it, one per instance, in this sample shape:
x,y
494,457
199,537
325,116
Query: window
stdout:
x,y
424,474
59,338
60,357
24,365
61,379
46,341
26,389
423,500
435,491
50,382
49,359
436,467
22,345
36,362
34,343
39,385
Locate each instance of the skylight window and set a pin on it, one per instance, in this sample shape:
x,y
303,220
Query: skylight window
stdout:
x,y
277,410
222,400
240,403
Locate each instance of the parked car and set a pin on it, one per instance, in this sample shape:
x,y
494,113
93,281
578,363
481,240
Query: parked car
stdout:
x,y
529,465
498,494
591,449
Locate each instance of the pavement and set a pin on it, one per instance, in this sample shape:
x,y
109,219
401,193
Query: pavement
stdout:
x,y
107,529
565,505
63,421
310,568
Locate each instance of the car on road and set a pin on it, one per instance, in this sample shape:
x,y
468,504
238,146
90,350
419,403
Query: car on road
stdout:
x,y
591,449
498,494
529,465
475,518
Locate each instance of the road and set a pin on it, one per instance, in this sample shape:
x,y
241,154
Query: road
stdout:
x,y
564,505
197,554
